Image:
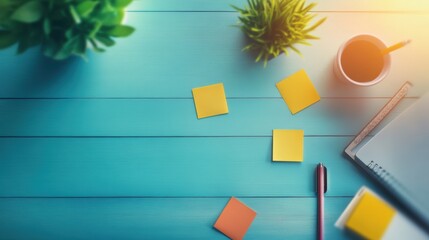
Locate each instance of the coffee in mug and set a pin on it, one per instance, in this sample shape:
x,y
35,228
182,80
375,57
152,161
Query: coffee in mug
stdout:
x,y
361,61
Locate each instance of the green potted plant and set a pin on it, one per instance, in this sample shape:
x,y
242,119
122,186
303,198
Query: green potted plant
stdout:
x,y
274,26
62,28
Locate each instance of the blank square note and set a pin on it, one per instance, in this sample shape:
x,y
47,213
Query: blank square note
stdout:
x,y
235,219
298,91
288,145
371,217
210,100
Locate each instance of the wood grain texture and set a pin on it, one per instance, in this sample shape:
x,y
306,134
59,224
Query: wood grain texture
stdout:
x,y
123,125
177,117
160,218
324,5
173,52
240,166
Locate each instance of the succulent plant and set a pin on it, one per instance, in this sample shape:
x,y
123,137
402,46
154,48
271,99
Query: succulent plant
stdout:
x,y
62,27
274,26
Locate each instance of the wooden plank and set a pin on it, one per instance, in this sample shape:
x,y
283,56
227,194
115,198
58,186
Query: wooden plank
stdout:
x,y
325,5
52,167
171,53
177,218
177,117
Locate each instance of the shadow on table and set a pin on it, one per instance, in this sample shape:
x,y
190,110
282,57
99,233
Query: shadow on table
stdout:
x,y
25,87
42,73
347,103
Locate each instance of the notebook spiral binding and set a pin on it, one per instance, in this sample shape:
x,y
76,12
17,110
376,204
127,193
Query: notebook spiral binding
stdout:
x,y
381,173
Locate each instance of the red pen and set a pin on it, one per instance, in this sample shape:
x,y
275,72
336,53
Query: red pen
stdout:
x,y
321,188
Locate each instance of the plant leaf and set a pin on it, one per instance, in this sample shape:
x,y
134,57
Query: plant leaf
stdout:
x,y
120,3
85,8
318,23
49,48
28,12
80,46
121,31
95,46
96,27
62,27
7,39
67,49
111,18
70,33
275,26
30,38
105,40
75,15
47,26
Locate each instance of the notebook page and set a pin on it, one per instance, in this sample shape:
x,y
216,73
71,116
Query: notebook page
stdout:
x,y
402,149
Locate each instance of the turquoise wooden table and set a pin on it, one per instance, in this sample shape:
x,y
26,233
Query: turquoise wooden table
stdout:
x,y
112,149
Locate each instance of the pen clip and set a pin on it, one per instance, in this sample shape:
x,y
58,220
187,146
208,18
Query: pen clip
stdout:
x,y
325,178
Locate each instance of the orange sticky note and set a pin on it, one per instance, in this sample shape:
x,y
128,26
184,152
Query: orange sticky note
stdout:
x,y
288,145
371,217
298,91
235,219
210,100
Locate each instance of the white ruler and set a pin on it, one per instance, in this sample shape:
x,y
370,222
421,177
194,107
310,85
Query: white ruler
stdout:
x,y
393,102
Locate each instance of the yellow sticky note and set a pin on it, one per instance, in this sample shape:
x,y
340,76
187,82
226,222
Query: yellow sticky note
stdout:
x,y
371,217
298,91
210,100
288,145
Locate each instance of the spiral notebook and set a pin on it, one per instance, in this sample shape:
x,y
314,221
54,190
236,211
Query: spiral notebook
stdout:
x,y
398,157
